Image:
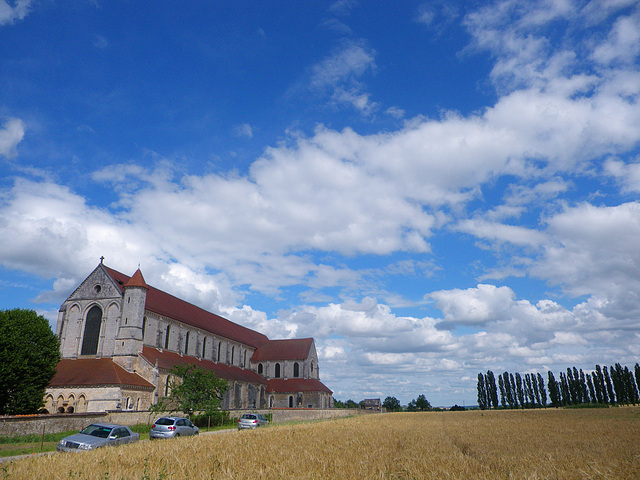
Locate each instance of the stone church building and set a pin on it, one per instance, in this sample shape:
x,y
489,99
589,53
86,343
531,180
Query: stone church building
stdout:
x,y
120,338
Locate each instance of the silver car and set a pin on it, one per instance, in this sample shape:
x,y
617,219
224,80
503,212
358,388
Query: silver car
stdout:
x,y
97,435
251,420
170,427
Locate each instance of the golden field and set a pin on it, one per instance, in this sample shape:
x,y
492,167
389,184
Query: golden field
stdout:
x,y
530,444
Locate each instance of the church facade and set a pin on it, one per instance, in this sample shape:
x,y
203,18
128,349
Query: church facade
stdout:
x,y
120,338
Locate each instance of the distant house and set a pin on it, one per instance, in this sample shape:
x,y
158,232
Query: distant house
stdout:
x,y
371,404
120,338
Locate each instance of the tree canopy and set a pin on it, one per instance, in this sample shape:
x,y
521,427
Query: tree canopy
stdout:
x,y
197,390
420,404
29,353
392,404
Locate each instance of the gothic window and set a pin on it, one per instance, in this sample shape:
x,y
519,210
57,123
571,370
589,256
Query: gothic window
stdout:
x,y
260,368
277,375
204,346
290,401
186,343
144,326
233,353
296,370
92,331
166,337
219,348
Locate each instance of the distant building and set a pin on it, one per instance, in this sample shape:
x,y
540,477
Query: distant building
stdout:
x,y
119,339
372,404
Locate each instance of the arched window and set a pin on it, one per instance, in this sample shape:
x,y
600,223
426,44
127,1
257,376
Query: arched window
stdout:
x,y
260,368
204,346
233,352
277,375
290,401
144,326
186,343
166,337
92,331
296,370
219,348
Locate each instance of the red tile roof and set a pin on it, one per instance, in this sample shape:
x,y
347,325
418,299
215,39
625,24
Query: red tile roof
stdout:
x,y
167,360
293,349
94,372
294,385
137,281
167,305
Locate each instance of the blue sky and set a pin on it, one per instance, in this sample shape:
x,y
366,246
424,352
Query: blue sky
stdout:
x,y
429,189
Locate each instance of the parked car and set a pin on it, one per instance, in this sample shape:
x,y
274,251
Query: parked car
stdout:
x,y
97,435
170,427
251,420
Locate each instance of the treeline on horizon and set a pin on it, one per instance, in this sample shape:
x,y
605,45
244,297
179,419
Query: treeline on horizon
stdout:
x,y
604,386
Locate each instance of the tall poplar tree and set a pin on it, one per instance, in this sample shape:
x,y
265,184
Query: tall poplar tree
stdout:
x,y
543,391
482,392
554,392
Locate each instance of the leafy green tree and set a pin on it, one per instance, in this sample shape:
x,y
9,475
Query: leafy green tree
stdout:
x,y
29,353
198,390
422,403
392,404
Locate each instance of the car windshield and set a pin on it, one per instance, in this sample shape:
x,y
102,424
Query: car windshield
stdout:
x,y
97,431
165,421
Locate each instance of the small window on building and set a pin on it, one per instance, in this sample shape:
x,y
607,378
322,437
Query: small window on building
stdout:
x,y
166,337
260,368
186,343
219,349
233,352
144,326
290,401
277,375
296,370
204,346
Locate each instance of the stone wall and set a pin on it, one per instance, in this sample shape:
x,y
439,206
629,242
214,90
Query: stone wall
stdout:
x,y
34,424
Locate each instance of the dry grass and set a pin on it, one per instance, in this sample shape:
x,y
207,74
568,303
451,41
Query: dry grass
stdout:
x,y
539,444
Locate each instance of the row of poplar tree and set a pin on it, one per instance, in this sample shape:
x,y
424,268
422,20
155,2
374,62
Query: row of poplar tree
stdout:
x,y
614,385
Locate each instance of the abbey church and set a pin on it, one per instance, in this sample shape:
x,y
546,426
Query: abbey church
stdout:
x,y
120,339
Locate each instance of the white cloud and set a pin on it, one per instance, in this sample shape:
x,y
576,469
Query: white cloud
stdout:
x,y
622,44
244,130
9,13
11,135
594,250
339,76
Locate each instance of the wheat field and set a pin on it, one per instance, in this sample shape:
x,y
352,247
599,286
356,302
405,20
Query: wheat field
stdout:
x,y
530,444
